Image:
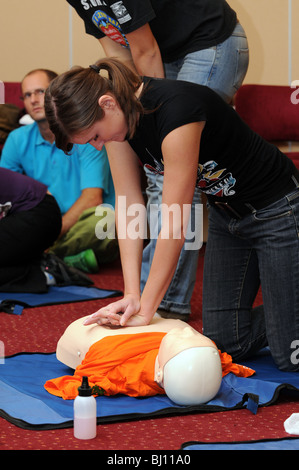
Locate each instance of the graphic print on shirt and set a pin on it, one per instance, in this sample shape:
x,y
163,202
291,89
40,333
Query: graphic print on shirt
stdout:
x,y
213,183
111,27
218,183
120,12
158,168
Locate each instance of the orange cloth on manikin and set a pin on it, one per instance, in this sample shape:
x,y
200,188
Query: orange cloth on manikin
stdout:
x,y
229,366
118,364
125,364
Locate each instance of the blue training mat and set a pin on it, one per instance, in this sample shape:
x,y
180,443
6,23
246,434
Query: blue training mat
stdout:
x,y
11,302
289,443
25,402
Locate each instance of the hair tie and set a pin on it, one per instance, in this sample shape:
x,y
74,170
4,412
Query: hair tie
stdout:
x,y
95,68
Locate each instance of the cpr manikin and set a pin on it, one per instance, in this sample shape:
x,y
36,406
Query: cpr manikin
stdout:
x,y
187,366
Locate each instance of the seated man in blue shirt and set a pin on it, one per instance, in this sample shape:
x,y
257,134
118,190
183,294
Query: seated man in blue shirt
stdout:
x,y
80,183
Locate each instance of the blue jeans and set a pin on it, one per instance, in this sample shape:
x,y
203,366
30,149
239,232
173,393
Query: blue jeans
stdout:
x,y
241,254
223,69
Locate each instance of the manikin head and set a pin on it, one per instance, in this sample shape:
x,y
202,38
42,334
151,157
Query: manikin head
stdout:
x,y
188,367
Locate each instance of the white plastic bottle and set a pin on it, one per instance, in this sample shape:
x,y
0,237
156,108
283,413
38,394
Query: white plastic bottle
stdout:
x,y
85,412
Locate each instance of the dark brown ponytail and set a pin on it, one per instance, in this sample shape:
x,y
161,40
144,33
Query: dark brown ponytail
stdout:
x,y
71,100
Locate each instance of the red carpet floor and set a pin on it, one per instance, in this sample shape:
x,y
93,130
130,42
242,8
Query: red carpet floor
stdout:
x,y
38,330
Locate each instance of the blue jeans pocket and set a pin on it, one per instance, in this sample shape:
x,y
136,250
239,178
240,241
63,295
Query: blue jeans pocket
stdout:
x,y
242,62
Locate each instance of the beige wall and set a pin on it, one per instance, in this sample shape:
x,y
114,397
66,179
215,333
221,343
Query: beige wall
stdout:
x,y
36,33
267,26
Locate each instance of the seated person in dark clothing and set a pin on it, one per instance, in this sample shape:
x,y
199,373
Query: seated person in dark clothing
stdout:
x,y
30,222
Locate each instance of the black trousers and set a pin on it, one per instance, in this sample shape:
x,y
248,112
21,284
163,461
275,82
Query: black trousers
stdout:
x,y
23,238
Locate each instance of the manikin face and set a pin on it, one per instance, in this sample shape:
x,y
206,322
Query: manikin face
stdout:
x,y
176,341
111,128
33,91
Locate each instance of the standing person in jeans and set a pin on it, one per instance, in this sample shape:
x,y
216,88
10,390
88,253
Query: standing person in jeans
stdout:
x,y
200,41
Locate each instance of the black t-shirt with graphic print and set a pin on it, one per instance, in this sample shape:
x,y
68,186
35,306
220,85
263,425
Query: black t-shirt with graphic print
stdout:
x,y
179,26
234,162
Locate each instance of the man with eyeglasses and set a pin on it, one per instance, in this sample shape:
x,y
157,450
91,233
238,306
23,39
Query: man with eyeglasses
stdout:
x,y
80,183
